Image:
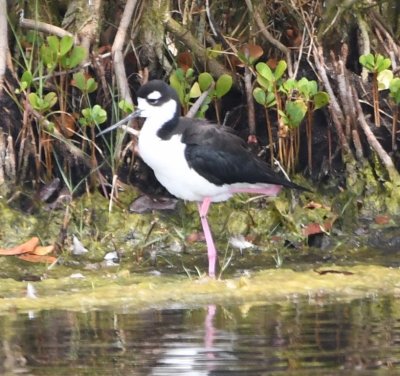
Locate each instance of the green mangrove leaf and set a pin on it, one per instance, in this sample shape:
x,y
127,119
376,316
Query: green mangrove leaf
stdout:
x,y
76,57
205,80
48,56
265,72
259,96
54,43
66,44
288,86
125,106
223,85
270,100
394,88
367,61
382,63
321,99
384,78
295,111
79,81
91,85
264,83
93,115
195,91
50,99
280,69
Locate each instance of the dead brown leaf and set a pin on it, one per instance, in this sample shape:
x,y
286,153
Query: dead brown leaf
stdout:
x,y
37,258
27,247
43,250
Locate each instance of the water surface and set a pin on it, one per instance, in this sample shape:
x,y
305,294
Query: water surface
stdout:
x,y
296,336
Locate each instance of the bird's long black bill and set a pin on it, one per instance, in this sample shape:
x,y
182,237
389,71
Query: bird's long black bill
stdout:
x,y
125,120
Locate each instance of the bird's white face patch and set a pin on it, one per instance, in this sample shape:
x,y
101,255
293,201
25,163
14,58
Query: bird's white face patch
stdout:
x,y
159,114
154,95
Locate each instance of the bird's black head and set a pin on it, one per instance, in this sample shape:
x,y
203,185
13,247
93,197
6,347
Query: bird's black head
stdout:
x,y
156,98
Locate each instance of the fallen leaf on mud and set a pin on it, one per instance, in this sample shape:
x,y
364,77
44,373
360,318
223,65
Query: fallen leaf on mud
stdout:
x,y
27,247
316,228
316,205
382,219
31,251
37,258
42,251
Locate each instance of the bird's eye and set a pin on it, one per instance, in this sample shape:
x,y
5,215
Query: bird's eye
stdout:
x,y
153,100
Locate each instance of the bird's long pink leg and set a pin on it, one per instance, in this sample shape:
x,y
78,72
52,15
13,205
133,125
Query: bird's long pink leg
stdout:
x,y
212,252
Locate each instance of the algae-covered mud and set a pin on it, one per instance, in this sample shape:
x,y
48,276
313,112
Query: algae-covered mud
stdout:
x,y
123,290
158,259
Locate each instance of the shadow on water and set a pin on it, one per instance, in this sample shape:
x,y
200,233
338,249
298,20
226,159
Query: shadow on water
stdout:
x,y
302,337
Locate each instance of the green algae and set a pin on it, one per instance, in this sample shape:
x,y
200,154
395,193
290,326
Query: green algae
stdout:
x,y
136,236
137,292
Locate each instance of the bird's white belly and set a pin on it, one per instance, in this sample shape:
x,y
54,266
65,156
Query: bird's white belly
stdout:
x,y
167,159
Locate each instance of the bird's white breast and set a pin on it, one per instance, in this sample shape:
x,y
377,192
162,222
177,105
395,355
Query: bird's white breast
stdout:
x,y
167,159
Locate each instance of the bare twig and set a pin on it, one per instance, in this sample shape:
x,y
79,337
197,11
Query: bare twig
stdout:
x,y
118,57
375,144
251,117
26,23
215,68
193,110
269,37
334,108
3,42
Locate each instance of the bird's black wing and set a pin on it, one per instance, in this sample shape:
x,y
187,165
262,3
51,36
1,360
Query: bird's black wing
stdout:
x,y
221,157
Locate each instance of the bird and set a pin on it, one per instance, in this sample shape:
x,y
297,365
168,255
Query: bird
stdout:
x,y
197,160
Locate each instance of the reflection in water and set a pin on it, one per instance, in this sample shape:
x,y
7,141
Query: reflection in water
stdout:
x,y
251,339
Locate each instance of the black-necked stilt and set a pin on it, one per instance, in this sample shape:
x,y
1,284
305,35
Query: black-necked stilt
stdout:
x,y
196,160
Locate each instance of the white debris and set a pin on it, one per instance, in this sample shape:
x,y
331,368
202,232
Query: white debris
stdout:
x,y
77,276
240,242
77,247
31,291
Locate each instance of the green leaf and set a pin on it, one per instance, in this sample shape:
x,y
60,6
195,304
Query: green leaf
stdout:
x,y
384,78
295,112
259,96
280,69
270,100
48,56
382,63
79,80
288,86
367,61
91,85
94,115
321,99
189,73
33,100
99,114
66,44
50,99
223,85
394,88
205,80
54,43
265,71
264,83
125,106
180,74
76,57
195,91
27,78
